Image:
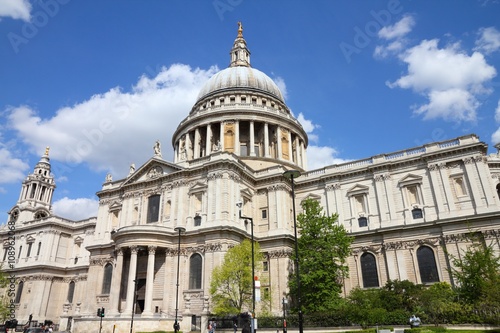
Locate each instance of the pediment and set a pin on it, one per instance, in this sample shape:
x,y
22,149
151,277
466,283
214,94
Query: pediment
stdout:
x,y
246,193
116,205
312,196
358,189
152,169
198,187
78,240
410,179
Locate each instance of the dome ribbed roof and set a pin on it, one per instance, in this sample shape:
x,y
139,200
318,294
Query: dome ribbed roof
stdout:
x,y
240,77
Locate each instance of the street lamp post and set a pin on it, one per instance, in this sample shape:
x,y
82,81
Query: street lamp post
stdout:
x,y
292,174
285,302
176,324
240,205
133,304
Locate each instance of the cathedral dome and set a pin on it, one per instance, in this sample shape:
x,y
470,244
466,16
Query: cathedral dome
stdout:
x,y
240,77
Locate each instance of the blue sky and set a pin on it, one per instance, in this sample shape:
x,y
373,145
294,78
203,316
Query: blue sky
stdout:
x,y
100,81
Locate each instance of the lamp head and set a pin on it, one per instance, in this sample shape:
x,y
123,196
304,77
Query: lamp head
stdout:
x,y
239,204
180,229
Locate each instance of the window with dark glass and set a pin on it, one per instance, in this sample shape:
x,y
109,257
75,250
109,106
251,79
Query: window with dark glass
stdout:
x,y
30,245
427,265
363,222
417,213
265,266
369,270
195,263
39,248
197,220
264,214
106,281
71,291
19,292
153,208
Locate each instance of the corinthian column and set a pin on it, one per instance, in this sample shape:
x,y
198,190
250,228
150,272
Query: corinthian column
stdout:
x,y
116,282
132,271
149,282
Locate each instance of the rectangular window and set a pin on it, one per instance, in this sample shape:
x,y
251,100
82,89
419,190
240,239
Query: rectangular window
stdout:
x,y
39,248
265,266
30,245
264,214
363,222
153,209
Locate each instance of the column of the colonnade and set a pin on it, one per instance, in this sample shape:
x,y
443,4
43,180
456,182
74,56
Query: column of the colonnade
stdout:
x,y
221,136
131,280
208,140
290,149
149,282
252,139
278,144
303,155
266,140
115,283
197,144
237,150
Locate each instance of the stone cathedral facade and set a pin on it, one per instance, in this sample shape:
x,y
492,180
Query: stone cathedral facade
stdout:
x,y
408,211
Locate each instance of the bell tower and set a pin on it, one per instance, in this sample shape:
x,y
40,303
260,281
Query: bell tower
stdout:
x,y
35,199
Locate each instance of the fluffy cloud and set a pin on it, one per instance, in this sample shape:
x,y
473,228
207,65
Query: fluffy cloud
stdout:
x,y
11,169
495,138
448,77
75,209
110,131
395,35
16,9
399,29
319,157
489,40
282,85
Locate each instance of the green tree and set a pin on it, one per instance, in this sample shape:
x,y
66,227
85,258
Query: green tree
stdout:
x,y
401,295
438,304
4,299
323,249
232,282
477,272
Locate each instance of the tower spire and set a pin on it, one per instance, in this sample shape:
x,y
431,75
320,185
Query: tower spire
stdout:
x,y
35,199
240,55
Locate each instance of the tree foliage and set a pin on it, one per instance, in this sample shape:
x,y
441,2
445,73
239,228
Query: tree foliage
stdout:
x,y
324,246
477,272
232,282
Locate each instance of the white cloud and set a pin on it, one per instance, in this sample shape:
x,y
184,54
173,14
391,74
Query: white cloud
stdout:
x,y
452,104
11,169
319,157
110,131
448,77
399,29
497,113
489,40
16,9
495,137
75,209
396,35
280,82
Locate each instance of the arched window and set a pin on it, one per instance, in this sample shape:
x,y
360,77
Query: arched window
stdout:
x,y
106,281
427,265
195,264
71,291
19,292
369,270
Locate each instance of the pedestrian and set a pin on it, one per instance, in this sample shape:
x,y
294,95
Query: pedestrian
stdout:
x,y
235,326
